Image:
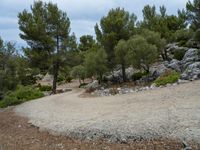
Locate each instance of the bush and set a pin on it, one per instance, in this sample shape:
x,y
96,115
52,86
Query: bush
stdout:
x,y
20,95
82,85
45,88
182,36
138,75
60,78
28,80
179,54
69,79
167,77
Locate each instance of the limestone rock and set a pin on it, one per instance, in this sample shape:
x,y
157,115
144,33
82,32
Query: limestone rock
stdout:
x,y
190,57
174,65
192,72
93,85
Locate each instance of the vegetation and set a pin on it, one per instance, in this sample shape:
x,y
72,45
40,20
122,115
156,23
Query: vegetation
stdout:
x,y
95,63
20,95
45,88
79,72
121,40
183,36
46,30
69,79
193,13
167,77
138,75
141,53
86,43
160,22
121,51
179,54
117,25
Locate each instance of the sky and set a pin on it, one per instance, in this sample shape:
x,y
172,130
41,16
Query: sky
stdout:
x,y
83,14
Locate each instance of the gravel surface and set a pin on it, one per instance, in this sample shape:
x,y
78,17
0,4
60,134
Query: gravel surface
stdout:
x,y
169,112
17,134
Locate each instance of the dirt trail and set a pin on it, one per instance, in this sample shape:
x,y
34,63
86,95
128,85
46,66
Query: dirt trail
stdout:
x,y
170,112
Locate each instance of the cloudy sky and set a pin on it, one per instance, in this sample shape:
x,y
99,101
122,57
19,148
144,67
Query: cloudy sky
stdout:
x,y
84,14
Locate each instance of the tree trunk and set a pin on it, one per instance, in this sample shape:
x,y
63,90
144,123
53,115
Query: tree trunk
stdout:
x,y
163,56
100,78
56,67
124,72
166,56
55,77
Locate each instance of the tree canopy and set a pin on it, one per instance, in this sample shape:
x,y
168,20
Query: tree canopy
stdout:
x,y
46,29
193,13
117,25
141,53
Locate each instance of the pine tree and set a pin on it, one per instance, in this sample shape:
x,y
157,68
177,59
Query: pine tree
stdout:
x,y
46,29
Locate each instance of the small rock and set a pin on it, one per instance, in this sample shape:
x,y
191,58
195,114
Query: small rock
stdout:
x,y
182,81
119,89
153,86
123,140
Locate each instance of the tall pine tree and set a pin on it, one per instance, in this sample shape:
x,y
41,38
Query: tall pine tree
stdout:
x,y
46,29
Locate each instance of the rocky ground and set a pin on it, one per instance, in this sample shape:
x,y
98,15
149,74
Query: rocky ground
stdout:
x,y
170,113
17,134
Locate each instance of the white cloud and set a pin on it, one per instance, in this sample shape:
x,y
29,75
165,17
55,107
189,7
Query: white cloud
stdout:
x,y
82,13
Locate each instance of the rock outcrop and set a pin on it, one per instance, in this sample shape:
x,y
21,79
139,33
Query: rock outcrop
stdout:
x,y
116,76
191,56
157,69
191,65
192,72
174,65
92,86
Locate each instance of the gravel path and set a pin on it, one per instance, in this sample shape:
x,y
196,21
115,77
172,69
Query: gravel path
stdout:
x,y
170,112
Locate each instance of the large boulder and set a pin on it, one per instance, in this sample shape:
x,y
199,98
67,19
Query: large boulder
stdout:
x,y
116,75
92,86
173,48
192,72
190,57
174,65
157,69
129,72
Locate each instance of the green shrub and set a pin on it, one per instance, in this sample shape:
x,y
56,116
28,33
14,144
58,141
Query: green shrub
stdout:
x,y
82,85
138,75
179,54
28,80
69,79
20,95
45,88
60,78
1,95
167,77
